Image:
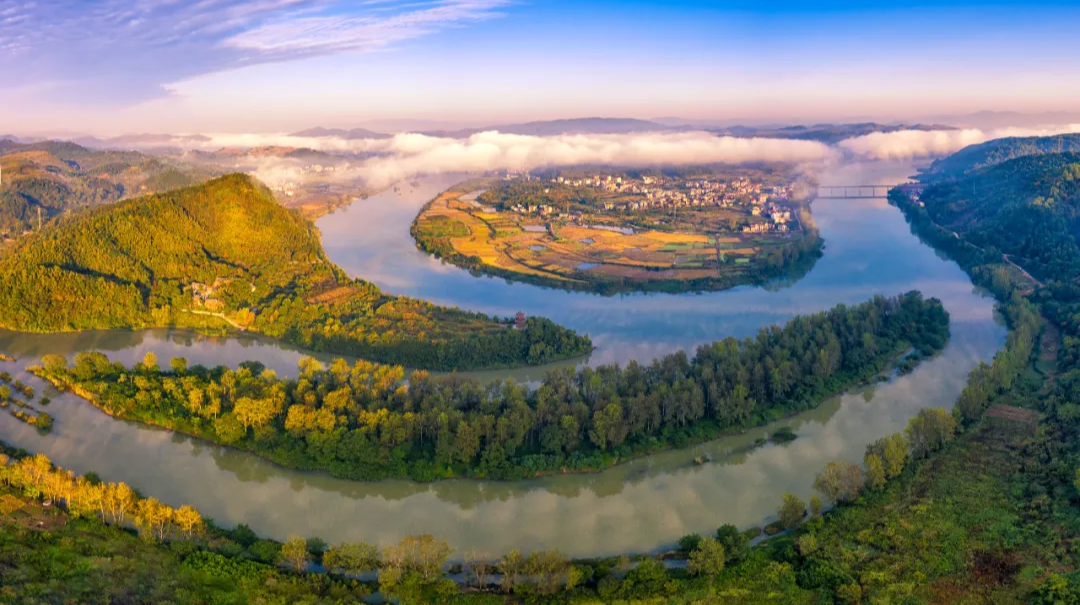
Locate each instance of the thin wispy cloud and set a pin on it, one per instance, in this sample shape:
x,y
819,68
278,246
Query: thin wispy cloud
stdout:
x,y
129,50
330,34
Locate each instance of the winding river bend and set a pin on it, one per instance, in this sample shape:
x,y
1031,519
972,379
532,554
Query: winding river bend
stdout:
x,y
639,506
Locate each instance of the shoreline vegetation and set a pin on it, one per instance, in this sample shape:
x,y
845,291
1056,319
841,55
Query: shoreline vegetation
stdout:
x,y
569,260
974,506
225,254
370,422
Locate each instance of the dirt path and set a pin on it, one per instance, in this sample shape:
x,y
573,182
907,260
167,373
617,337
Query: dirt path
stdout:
x,y
1022,270
219,316
1005,256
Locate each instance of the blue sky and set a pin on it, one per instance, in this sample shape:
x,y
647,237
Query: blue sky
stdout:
x,y
113,66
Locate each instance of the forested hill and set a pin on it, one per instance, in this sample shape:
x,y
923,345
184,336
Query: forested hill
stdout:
x,y
1028,208
998,151
226,253
44,179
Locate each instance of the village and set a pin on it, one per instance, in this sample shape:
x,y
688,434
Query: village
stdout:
x,y
625,195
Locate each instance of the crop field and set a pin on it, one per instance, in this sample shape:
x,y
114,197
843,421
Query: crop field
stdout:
x,y
568,252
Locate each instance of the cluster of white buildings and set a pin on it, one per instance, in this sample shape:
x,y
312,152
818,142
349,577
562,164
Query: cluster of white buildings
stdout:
x,y
288,188
778,219
662,192
317,169
653,192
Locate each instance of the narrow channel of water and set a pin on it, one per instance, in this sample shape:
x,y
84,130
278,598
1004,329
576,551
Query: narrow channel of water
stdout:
x,y
638,506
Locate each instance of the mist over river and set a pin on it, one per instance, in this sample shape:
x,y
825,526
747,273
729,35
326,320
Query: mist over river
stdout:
x,y
639,506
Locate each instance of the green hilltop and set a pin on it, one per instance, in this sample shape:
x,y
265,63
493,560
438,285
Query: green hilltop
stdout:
x,y
224,253
1027,207
998,151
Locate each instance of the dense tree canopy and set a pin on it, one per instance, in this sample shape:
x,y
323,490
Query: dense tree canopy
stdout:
x,y
366,421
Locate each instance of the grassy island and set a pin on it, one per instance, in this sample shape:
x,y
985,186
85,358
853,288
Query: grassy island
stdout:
x,y
367,422
616,231
225,256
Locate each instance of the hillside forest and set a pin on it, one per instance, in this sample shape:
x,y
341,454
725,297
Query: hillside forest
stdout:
x,y
225,255
43,180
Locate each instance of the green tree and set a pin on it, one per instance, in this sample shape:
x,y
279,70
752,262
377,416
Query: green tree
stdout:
x,y
549,568
736,545
255,413
647,579
228,429
689,543
178,364
875,472
608,428
839,481
351,557
792,511
149,363
929,431
894,453
708,560
295,552
54,363
512,566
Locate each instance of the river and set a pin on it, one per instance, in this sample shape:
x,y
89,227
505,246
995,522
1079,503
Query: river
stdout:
x,y
639,506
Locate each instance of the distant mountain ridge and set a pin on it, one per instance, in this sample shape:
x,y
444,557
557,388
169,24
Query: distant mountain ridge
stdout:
x,y
350,134
548,128
826,133
538,128
44,179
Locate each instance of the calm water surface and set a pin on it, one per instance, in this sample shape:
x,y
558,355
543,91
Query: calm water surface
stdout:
x,y
638,506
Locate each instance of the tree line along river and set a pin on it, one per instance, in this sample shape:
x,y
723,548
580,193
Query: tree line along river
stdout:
x,y
639,506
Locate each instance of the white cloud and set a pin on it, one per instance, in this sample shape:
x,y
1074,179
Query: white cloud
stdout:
x,y
911,144
412,154
405,155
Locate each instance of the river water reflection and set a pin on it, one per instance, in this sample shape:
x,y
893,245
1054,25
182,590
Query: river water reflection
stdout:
x,y
638,506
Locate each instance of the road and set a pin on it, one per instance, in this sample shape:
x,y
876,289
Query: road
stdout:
x,y
1005,256
219,316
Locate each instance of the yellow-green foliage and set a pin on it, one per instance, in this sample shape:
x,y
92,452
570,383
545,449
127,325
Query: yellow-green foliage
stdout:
x,y
101,268
256,265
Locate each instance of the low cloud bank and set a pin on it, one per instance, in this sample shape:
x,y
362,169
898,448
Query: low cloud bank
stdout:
x,y
379,162
411,154
406,155
913,144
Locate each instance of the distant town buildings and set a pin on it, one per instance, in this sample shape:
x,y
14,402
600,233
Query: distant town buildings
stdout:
x,y
659,192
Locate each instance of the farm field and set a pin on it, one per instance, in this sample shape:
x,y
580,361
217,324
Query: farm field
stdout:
x,y
566,254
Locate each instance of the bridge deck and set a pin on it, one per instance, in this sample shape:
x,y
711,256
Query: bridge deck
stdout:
x,y
862,191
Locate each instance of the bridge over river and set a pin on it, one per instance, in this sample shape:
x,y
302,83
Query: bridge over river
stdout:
x,y
865,191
